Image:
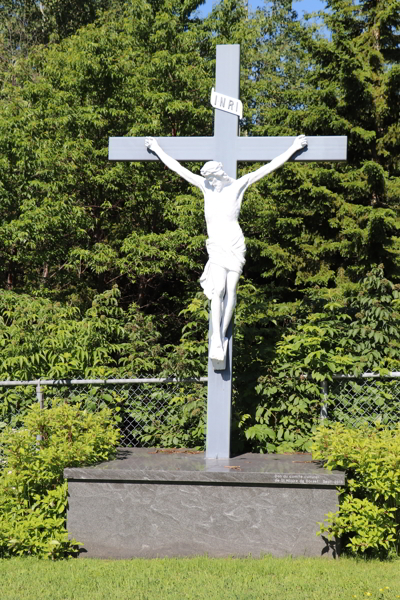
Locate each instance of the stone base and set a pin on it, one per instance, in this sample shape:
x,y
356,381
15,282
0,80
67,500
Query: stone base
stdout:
x,y
151,503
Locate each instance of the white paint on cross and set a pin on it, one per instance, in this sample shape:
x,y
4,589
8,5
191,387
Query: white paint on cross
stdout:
x,y
227,147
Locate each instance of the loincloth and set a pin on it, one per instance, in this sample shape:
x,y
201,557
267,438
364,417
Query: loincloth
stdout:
x,y
227,254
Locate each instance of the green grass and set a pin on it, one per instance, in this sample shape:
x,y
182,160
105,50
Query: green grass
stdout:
x,y
199,578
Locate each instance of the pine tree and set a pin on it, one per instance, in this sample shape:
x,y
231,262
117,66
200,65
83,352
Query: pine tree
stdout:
x,y
311,222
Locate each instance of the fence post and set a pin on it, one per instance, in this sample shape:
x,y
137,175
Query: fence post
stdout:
x,y
324,410
39,397
39,394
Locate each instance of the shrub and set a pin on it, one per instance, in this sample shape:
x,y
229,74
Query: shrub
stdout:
x,y
33,494
369,512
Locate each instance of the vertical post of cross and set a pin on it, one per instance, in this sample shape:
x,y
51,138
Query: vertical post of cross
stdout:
x,y
219,401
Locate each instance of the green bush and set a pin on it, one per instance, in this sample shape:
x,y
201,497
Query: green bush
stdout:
x,y
33,494
369,514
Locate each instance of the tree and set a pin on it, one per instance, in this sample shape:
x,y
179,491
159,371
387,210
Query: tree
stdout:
x,y
75,220
40,338
312,221
27,23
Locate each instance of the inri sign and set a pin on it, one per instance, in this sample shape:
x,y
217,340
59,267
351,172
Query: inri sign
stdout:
x,y
226,103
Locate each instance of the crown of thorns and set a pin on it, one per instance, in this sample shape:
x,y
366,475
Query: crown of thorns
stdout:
x,y
211,167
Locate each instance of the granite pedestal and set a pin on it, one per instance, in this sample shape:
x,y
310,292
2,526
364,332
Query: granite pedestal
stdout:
x,y
151,503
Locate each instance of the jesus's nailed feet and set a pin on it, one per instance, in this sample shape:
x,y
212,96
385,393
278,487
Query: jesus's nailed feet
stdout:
x,y
218,355
217,352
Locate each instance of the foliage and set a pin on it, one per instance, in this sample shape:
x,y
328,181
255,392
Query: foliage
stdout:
x,y
33,494
355,332
180,423
312,221
79,222
339,333
368,519
41,338
27,23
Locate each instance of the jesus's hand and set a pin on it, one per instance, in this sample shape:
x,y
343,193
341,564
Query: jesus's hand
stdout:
x,y
151,144
299,143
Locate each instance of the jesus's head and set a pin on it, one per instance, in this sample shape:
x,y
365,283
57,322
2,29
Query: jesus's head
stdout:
x,y
215,174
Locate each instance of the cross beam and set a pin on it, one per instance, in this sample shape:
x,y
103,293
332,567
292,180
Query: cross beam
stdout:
x,y
244,149
227,147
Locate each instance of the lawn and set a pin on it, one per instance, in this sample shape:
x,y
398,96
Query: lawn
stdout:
x,y
199,578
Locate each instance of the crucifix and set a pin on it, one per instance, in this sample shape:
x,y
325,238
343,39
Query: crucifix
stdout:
x,y
218,176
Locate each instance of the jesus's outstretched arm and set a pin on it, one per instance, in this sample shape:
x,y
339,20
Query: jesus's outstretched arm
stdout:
x,y
299,143
173,164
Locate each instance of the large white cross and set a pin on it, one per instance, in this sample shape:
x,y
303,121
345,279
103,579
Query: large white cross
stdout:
x,y
227,147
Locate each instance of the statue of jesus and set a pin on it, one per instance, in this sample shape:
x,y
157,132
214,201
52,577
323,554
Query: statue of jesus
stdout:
x,y
225,244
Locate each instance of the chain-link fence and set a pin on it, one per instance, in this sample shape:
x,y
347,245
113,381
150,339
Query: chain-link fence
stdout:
x,y
365,399
149,411
170,412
